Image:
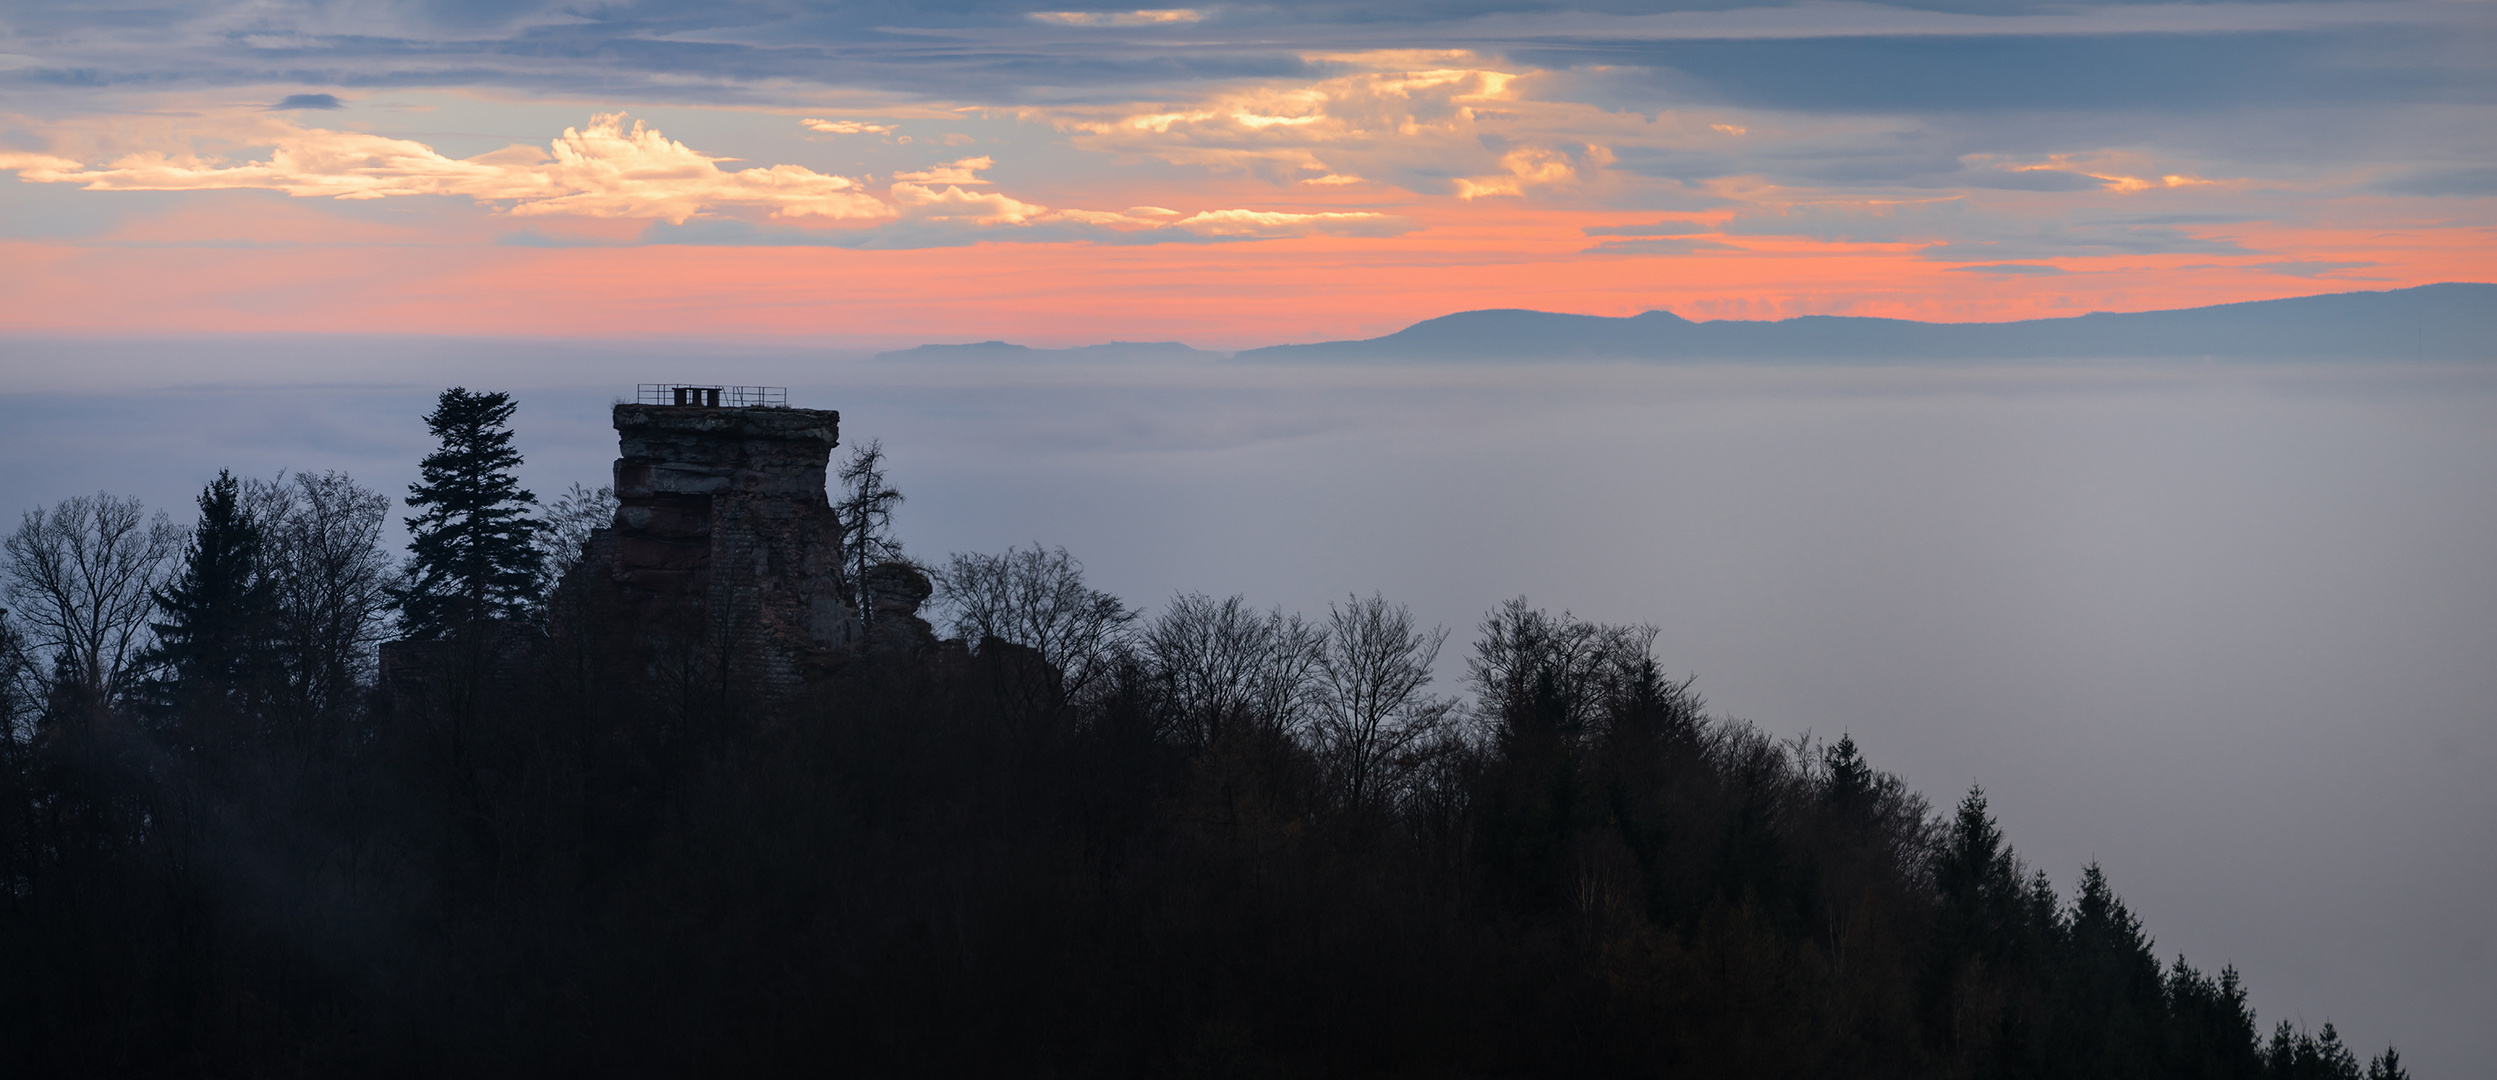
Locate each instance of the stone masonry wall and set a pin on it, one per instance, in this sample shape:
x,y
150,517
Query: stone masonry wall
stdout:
x,y
724,534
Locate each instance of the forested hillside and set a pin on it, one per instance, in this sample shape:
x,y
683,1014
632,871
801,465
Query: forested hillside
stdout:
x,y
1059,836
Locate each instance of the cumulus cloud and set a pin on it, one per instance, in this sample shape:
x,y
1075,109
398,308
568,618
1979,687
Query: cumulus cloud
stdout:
x,y
1443,122
920,194
965,171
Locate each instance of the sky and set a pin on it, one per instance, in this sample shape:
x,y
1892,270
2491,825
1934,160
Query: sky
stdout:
x,y
1231,175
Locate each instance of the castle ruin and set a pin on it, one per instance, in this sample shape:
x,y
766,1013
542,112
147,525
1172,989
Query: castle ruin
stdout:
x,y
724,539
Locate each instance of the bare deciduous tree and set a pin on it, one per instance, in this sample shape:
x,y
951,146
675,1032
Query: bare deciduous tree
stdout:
x,y
81,577
1035,598
1552,675
570,519
1372,714
1226,664
866,512
330,574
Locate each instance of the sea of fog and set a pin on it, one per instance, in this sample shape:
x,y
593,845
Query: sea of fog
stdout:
x,y
2229,630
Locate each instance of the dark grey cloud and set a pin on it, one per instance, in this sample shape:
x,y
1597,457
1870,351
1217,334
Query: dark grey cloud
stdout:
x,y
309,101
910,235
2180,219
2136,71
1956,231
2052,240
2480,181
1769,55
1657,228
2028,180
1677,164
2312,268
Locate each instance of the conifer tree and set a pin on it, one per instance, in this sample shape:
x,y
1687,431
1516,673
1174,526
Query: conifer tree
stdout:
x,y
1850,782
1978,879
473,540
216,610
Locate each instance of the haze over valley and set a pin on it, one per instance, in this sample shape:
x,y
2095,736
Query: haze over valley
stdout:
x,y
2221,628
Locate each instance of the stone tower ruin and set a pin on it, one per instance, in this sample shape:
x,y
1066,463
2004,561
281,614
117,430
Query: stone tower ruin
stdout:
x,y
724,541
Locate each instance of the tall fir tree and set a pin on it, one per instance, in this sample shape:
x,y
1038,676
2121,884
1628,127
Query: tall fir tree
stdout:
x,y
216,611
473,540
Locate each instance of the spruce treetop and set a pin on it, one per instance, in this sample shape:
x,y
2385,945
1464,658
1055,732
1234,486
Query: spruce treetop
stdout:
x,y
214,611
473,538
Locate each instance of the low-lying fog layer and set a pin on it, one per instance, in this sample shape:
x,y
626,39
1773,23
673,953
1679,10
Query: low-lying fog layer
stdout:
x,y
2230,630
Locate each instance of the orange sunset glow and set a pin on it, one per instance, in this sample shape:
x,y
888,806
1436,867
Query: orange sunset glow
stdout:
x,y
1388,186
1213,295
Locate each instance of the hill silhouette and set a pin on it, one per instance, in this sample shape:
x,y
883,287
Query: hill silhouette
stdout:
x,y
2431,322
2451,322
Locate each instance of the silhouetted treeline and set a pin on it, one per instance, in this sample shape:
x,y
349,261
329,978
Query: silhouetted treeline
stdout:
x,y
1070,840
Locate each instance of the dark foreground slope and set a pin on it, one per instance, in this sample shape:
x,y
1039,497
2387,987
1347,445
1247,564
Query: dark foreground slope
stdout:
x,y
2451,322
941,862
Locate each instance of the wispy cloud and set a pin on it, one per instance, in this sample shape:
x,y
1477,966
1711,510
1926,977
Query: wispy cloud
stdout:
x,y
601,170
1658,245
1653,228
2011,270
1154,17
1261,224
608,169
1956,229
845,127
2311,268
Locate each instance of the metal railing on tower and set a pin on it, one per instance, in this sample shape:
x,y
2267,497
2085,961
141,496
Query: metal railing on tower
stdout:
x,y
709,396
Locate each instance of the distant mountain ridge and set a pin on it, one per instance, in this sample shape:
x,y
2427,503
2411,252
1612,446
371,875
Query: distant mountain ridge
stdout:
x,y
2444,323
2455,321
